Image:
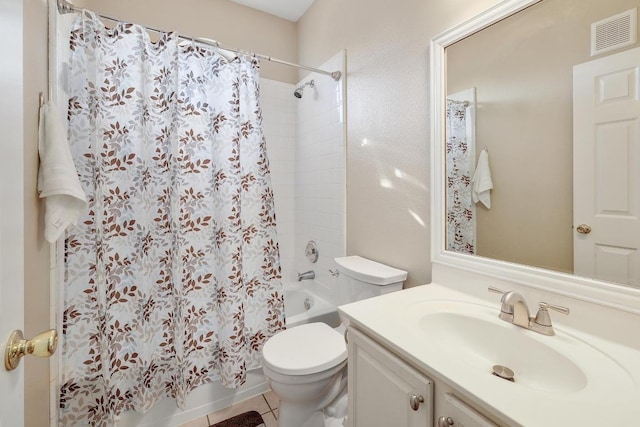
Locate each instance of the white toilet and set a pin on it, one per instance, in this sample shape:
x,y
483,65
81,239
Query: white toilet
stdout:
x,y
306,365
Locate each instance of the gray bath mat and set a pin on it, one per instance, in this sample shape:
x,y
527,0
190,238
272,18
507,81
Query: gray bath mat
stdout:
x,y
247,419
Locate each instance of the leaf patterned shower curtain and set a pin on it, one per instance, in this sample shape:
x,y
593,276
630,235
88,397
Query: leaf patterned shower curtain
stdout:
x,y
172,276
459,165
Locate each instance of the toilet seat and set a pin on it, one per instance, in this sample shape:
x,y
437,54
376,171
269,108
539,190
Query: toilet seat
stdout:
x,y
305,349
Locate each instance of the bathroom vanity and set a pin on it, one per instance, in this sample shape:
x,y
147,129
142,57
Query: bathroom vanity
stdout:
x,y
425,356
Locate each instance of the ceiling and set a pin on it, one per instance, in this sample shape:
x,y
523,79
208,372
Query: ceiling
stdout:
x,y
287,9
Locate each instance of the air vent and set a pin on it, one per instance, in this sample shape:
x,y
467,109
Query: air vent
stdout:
x,y
614,32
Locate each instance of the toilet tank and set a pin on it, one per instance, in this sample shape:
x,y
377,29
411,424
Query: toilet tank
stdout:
x,y
361,278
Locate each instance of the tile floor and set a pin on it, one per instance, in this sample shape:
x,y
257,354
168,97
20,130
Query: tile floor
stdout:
x,y
266,404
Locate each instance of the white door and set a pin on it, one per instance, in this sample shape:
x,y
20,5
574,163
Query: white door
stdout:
x,y
11,206
606,150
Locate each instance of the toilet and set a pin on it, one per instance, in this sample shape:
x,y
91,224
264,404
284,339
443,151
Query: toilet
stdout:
x,y
306,366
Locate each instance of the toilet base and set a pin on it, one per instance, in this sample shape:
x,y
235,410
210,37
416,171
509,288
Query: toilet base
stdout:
x,y
338,408
335,422
297,415
293,415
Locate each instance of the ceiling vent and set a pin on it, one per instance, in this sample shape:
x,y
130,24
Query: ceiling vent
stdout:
x,y
614,32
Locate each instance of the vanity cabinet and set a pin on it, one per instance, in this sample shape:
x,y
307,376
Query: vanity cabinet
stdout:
x,y
383,390
386,391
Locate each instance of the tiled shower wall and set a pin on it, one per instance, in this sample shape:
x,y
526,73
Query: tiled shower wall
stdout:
x,y
279,124
320,171
306,148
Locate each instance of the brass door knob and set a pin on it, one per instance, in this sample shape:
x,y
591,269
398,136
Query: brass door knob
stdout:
x,y
42,345
583,229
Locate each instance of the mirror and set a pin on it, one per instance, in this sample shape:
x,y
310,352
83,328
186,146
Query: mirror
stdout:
x,y
527,235
516,77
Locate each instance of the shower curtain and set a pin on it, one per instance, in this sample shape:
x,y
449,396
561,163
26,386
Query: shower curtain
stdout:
x,y
172,276
460,227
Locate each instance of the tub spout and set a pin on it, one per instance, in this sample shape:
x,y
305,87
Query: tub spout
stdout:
x,y
307,275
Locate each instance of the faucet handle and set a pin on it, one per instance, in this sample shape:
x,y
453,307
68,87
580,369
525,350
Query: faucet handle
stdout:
x,y
542,322
558,308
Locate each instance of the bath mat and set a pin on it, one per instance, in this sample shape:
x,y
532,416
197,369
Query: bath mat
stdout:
x,y
247,419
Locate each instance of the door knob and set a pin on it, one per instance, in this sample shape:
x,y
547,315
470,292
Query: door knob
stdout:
x,y
583,229
42,345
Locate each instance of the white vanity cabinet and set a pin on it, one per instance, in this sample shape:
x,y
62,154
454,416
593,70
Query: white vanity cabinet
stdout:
x,y
449,341
383,390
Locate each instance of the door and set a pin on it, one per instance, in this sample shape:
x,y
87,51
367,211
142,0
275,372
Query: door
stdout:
x,y
606,113
11,206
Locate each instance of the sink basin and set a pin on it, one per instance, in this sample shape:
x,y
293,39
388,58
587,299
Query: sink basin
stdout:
x,y
471,339
486,343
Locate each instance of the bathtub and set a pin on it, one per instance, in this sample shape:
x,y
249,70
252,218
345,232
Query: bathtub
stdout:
x,y
301,306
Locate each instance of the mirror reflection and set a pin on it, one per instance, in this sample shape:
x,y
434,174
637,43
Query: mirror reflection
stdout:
x,y
543,153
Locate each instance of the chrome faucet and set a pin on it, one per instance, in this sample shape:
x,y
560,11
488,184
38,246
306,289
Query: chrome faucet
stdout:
x,y
307,275
514,310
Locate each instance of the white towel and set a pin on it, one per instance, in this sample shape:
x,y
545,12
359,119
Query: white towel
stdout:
x,y
481,184
58,181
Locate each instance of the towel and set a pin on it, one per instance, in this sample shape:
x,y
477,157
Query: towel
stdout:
x,y
481,184
58,181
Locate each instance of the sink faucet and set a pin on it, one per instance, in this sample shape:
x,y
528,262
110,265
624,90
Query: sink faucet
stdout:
x,y
514,310
307,275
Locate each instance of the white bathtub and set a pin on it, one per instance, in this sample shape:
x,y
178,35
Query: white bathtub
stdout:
x,y
301,305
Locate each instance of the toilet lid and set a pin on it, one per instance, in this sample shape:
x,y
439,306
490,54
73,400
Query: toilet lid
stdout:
x,y
304,349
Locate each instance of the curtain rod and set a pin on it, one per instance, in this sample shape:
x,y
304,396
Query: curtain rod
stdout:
x,y
65,7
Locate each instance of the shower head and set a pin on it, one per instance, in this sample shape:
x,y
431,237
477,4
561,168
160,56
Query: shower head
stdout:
x,y
298,92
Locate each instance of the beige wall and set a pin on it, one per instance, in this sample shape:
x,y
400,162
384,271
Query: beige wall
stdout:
x,y
36,250
387,117
522,70
229,23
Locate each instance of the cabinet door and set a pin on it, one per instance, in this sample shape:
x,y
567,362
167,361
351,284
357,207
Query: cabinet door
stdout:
x,y
382,388
459,414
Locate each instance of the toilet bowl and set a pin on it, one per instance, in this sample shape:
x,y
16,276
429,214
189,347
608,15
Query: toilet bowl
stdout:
x,y
306,366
